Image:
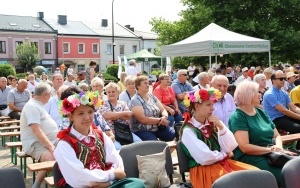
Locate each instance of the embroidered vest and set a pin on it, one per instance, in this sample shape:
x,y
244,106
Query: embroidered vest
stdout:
x,y
92,154
211,142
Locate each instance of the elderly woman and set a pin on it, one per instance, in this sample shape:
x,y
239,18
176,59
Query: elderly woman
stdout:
x,y
130,89
98,85
114,110
166,96
121,83
150,119
87,157
262,81
246,123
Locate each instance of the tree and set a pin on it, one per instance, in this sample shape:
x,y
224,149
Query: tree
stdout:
x,y
27,56
7,69
274,20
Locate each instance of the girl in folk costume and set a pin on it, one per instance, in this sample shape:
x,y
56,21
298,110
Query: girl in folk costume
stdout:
x,y
87,157
207,142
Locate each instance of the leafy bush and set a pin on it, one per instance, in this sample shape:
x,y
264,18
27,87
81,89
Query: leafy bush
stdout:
x,y
21,75
157,72
6,69
113,70
109,77
39,70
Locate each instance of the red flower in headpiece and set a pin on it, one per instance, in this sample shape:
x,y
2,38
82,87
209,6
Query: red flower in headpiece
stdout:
x,y
68,107
204,95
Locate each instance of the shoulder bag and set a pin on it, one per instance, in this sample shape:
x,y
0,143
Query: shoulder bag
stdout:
x,y
122,131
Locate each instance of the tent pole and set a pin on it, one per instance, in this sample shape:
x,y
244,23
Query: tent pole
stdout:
x,y
270,58
161,63
210,61
216,60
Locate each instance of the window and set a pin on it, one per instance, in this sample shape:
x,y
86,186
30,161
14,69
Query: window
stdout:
x,y
122,49
149,50
95,48
108,48
81,49
80,68
47,47
35,44
2,47
18,43
134,48
66,48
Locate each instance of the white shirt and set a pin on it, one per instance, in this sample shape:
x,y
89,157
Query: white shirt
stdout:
x,y
224,108
198,86
241,79
192,69
73,83
132,70
53,110
200,151
73,170
269,83
31,86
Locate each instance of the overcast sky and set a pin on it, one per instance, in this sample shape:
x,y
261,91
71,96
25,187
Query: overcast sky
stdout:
x,y
136,13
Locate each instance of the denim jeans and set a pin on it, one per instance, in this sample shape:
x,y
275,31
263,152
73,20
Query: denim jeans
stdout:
x,y
176,118
166,133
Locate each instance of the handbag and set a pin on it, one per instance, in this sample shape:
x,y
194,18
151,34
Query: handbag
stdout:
x,y
278,159
122,131
3,106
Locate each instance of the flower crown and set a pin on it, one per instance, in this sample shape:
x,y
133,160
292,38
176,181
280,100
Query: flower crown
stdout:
x,y
211,94
68,105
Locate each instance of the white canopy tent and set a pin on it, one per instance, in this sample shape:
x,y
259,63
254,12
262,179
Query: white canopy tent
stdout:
x,y
215,40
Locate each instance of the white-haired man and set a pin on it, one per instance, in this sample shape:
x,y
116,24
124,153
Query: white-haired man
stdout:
x,y
181,87
132,70
38,129
3,96
226,106
203,80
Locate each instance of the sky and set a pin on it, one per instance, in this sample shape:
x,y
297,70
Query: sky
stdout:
x,y
136,13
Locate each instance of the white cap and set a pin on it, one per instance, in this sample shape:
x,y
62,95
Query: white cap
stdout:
x,y
244,69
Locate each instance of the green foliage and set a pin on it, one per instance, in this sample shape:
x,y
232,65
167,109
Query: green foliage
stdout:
x,y
39,70
109,77
6,69
113,70
27,55
273,20
21,75
157,72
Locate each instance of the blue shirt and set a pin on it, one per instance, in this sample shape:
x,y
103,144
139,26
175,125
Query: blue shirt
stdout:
x,y
179,88
272,98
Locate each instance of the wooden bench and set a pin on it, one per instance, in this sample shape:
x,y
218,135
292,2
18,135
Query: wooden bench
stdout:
x,y
40,166
49,181
172,144
23,161
13,127
5,123
13,150
13,136
5,118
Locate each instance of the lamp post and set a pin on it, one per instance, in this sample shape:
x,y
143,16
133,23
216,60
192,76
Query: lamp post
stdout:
x,y
113,32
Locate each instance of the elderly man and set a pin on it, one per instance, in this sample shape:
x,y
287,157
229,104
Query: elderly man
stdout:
x,y
57,80
278,105
32,83
132,70
3,96
38,129
243,77
181,87
17,98
203,80
226,106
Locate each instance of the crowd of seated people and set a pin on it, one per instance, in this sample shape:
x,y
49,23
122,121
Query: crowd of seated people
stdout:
x,y
257,108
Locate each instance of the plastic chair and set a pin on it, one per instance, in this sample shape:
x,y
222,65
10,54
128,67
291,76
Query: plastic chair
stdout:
x,y
11,178
129,152
183,161
246,179
290,173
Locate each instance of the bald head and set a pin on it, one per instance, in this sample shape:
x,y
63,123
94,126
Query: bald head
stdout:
x,y
22,85
221,83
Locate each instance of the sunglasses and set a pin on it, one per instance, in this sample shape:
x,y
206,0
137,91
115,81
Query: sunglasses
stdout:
x,y
184,74
281,79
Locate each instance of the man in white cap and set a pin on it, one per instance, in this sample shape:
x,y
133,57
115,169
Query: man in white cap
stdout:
x,y
268,73
243,77
132,70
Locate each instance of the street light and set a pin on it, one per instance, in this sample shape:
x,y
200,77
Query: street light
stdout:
x,y
113,32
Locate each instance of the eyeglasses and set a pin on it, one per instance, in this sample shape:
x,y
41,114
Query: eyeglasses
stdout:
x,y
281,79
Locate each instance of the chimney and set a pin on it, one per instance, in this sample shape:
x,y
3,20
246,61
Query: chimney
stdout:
x,y
40,15
130,28
62,19
104,23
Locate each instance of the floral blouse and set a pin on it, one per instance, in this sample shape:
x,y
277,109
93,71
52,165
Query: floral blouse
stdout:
x,y
120,107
